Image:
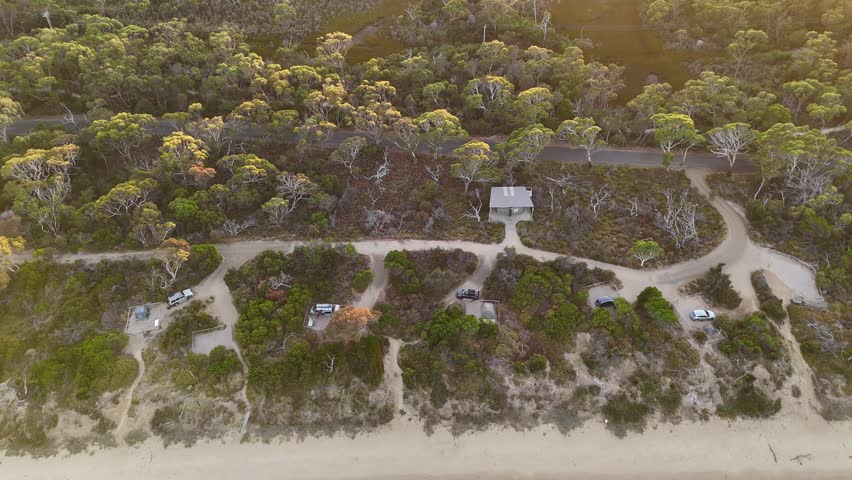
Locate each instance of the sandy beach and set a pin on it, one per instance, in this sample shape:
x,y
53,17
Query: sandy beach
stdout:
x,y
803,448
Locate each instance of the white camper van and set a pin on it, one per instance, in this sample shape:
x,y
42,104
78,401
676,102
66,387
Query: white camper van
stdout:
x,y
180,297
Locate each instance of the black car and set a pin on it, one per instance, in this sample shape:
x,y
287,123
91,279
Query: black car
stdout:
x,y
467,294
605,302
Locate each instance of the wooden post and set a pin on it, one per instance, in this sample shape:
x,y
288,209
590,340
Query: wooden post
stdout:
x,y
484,26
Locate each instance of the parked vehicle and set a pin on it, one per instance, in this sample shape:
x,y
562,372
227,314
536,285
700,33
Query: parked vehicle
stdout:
x,y
180,297
467,294
605,302
324,309
702,315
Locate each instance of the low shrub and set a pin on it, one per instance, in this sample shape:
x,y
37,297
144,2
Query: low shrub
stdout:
x,y
602,319
647,294
749,401
362,280
561,322
661,310
826,354
769,303
716,287
203,260
401,272
192,318
624,415
751,337
87,369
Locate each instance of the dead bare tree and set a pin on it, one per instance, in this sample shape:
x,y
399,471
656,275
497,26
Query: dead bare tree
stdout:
x,y
282,280
68,118
598,199
633,207
382,171
434,171
563,182
807,178
475,208
677,217
329,362
828,343
232,228
377,221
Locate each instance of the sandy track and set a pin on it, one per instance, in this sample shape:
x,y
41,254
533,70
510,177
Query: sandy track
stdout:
x,y
135,346
374,292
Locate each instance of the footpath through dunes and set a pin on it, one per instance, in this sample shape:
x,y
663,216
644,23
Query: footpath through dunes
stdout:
x,y
785,448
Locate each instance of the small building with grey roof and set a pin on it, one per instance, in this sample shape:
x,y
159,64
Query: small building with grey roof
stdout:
x,y
510,203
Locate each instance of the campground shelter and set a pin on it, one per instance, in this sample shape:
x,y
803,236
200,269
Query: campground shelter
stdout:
x,y
510,202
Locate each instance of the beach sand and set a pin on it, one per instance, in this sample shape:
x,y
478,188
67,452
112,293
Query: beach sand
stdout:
x,y
803,448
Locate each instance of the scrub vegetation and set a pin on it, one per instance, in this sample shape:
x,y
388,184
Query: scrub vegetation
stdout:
x,y
187,123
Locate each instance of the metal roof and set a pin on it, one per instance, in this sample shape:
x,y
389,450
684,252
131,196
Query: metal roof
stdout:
x,y
511,197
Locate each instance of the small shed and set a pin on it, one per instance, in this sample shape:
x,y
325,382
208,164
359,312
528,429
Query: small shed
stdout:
x,y
510,202
141,312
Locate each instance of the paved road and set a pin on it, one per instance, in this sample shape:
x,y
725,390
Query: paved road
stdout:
x,y
637,157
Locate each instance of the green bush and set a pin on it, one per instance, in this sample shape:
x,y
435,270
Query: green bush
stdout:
x,y
661,310
448,326
401,272
603,319
222,363
540,284
749,401
537,363
178,335
774,309
93,366
362,280
751,336
769,303
716,287
623,415
647,294
203,260
561,322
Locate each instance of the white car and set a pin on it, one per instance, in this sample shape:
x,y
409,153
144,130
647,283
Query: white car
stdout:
x,y
180,297
324,309
702,315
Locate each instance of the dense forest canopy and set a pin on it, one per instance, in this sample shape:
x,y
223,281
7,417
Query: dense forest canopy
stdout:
x,y
175,113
